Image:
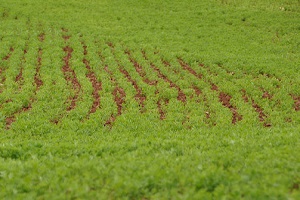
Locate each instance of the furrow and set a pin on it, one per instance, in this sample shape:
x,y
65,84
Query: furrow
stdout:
x,y
181,96
70,77
261,115
97,85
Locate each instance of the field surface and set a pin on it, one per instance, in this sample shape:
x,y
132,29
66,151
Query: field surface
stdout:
x,y
132,99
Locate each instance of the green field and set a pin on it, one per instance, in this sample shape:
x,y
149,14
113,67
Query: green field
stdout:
x,y
115,99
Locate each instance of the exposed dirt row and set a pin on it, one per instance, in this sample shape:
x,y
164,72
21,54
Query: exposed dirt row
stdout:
x,y
6,58
162,113
139,69
296,102
261,115
11,119
140,97
181,96
186,67
70,77
225,100
97,85
119,98
37,77
37,80
19,78
11,50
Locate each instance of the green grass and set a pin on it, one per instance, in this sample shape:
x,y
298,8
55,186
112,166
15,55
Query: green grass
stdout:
x,y
183,141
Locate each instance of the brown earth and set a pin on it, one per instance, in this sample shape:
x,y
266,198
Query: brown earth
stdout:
x,y
37,77
119,98
9,54
139,69
181,96
261,115
186,67
97,85
162,113
140,97
296,102
70,77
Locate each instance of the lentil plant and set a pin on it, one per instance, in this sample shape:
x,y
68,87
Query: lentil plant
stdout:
x,y
149,100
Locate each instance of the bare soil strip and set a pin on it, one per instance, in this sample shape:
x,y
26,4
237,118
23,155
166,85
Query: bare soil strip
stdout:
x,y
119,98
181,96
160,103
12,118
186,67
70,77
2,70
225,100
11,50
168,65
139,69
19,78
97,85
296,102
140,97
37,77
261,115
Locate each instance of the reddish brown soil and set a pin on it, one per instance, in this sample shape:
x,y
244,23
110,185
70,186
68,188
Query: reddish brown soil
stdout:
x,y
168,66
296,102
198,92
12,118
214,87
139,69
70,77
42,37
140,97
181,96
162,113
185,66
37,77
267,95
225,100
119,98
19,77
261,115
97,85
9,54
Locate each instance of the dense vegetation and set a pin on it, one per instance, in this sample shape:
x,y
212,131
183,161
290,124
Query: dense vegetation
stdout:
x,y
149,99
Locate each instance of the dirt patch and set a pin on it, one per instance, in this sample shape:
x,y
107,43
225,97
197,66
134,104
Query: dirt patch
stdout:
x,y
214,87
70,77
162,113
267,95
140,97
225,99
41,37
168,66
139,69
296,102
97,85
186,67
11,119
37,77
119,98
11,50
181,96
261,115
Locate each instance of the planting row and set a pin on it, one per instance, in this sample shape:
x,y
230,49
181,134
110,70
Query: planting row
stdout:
x,y
60,78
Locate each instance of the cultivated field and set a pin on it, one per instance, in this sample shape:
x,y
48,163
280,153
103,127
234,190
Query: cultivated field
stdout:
x,y
149,100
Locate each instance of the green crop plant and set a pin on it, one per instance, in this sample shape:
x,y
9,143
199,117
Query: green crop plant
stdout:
x,y
149,99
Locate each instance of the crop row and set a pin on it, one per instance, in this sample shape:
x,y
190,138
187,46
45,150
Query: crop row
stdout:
x,y
60,78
